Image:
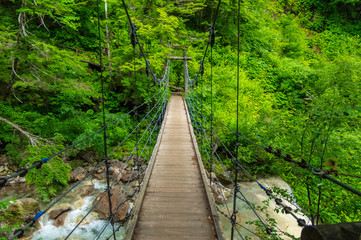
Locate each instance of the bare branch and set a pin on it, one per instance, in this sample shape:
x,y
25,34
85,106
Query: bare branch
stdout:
x,y
33,139
17,98
36,68
13,68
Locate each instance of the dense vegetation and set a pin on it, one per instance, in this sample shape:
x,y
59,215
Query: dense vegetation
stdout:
x,y
300,83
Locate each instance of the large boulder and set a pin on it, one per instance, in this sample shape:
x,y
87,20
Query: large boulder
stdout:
x,y
86,190
103,206
19,212
77,174
93,216
90,156
22,210
128,175
116,163
58,210
221,193
60,220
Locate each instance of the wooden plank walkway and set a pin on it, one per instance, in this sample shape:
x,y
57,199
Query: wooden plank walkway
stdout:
x,y
175,204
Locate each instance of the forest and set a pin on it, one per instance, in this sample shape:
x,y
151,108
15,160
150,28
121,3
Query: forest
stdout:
x,y
300,85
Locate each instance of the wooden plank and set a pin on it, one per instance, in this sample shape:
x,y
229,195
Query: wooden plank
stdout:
x,y
159,231
210,198
134,217
173,190
172,199
180,58
173,223
175,195
171,237
175,204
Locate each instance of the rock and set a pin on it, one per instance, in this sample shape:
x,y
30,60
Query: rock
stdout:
x,y
60,220
56,211
220,199
220,193
99,176
116,176
91,217
100,169
25,205
90,156
78,203
77,174
4,169
86,190
22,180
116,163
127,175
132,161
112,170
103,206
21,210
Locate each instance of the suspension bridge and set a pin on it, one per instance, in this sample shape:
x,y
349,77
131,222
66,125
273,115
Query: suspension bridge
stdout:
x,y
174,145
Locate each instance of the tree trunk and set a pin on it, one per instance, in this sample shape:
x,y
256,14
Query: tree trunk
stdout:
x,y
33,139
108,39
15,62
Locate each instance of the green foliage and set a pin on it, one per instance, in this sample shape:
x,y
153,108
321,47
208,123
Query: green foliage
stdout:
x,y
3,215
51,177
299,83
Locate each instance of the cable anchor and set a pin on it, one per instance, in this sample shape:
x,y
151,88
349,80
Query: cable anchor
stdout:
x,y
269,231
301,222
212,34
318,172
303,163
3,182
288,158
23,172
133,35
201,68
278,201
278,153
269,149
147,67
269,192
155,80
287,209
19,233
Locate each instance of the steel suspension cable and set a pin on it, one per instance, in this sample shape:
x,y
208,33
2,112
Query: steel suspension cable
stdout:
x,y
268,229
104,123
19,232
288,210
78,224
288,158
148,141
278,201
38,164
234,215
120,202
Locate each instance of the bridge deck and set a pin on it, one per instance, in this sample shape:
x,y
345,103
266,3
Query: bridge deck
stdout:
x,y
175,204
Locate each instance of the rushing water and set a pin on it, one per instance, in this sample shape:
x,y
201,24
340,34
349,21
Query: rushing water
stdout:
x,y
89,229
245,215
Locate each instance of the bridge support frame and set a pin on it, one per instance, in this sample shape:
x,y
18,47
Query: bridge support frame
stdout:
x,y
184,59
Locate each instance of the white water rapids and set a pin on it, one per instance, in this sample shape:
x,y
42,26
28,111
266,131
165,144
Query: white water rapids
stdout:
x,y
88,229
255,195
91,226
